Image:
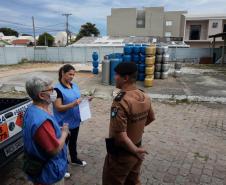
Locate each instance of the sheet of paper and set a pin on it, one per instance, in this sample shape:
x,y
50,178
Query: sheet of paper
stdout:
x,y
84,109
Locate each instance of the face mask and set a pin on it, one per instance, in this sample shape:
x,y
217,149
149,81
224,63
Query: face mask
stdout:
x,y
53,96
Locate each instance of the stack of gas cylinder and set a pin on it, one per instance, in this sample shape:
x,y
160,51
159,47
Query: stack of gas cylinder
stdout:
x,y
108,65
95,63
162,62
136,53
141,54
150,65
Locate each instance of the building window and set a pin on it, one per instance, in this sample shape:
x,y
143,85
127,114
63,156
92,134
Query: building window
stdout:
x,y
195,31
215,25
167,34
169,23
140,24
140,19
224,28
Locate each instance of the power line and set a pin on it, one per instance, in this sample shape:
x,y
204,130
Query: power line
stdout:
x,y
49,30
37,31
28,26
30,29
15,27
73,27
50,25
9,22
52,30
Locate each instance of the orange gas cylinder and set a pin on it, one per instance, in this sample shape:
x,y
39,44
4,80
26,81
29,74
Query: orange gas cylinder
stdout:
x,y
150,50
150,70
150,60
148,82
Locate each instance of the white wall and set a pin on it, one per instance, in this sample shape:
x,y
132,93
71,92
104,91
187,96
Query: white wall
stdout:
x,y
13,55
219,29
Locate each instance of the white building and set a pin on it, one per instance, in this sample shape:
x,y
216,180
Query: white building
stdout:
x,y
61,39
30,38
8,39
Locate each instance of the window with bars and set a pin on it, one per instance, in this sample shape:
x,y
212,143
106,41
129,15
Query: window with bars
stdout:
x,y
169,23
215,25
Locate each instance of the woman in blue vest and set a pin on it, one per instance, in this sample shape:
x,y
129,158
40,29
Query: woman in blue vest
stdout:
x,y
66,108
44,140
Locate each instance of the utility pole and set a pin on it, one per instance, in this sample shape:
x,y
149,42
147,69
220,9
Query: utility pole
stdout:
x,y
33,23
67,30
45,40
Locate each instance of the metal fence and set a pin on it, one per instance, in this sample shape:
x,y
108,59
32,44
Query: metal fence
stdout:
x,y
13,55
9,55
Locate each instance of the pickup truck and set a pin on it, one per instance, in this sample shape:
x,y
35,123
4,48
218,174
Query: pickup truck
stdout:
x,y
11,120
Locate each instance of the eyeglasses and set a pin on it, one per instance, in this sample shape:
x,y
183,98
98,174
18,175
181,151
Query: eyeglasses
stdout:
x,y
51,89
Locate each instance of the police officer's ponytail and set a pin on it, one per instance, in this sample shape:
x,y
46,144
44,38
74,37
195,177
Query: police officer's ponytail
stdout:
x,y
65,68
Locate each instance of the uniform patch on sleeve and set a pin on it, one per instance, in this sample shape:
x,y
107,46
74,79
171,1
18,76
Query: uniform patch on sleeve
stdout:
x,y
114,111
120,96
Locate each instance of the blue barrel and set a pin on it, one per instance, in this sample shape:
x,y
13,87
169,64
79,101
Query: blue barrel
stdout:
x,y
110,56
142,49
142,58
141,76
95,56
141,68
136,49
117,55
95,63
95,70
136,58
114,62
127,58
128,50
129,45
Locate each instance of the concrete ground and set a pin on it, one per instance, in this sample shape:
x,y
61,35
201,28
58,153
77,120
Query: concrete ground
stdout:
x,y
186,143
200,81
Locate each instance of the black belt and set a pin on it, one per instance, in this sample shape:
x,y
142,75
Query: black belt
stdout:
x,y
117,150
139,144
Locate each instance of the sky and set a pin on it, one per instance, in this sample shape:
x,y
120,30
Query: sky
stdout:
x,y
48,17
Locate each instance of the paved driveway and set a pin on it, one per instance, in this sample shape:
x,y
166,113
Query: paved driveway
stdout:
x,y
186,144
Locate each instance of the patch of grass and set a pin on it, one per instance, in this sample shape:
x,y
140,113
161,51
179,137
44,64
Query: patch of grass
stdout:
x,y
207,66
185,100
198,155
12,66
24,61
172,97
13,94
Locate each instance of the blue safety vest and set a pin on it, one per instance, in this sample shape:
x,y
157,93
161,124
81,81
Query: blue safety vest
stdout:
x,y
56,167
71,116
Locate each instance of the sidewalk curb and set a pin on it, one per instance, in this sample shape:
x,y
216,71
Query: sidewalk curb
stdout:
x,y
185,98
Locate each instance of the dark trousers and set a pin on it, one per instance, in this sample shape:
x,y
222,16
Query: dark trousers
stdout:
x,y
121,170
72,144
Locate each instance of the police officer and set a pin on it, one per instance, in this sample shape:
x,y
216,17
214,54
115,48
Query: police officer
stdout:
x,y
131,111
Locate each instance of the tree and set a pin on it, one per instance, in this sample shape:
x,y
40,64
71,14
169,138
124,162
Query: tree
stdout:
x,y
9,32
45,39
88,30
25,34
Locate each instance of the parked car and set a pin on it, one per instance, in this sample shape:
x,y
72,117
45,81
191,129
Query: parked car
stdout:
x,y
11,121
